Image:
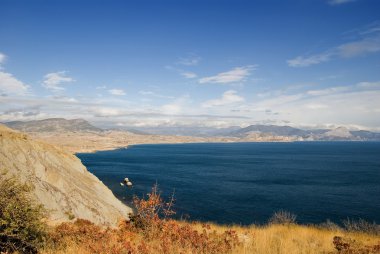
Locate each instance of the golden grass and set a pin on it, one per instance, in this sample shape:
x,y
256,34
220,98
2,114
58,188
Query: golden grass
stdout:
x,y
152,231
286,239
292,238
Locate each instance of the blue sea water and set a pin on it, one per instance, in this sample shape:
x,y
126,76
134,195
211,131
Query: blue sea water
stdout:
x,y
246,183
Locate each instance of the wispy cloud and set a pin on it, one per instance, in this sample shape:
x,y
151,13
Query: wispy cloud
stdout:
x,y
339,2
303,61
368,85
359,48
327,91
8,83
228,97
237,74
368,43
176,106
190,60
3,57
171,109
117,92
154,94
188,74
54,81
317,106
11,85
183,73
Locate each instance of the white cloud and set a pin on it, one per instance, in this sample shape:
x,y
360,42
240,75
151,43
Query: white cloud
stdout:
x,y
301,61
359,48
317,106
228,97
100,87
184,73
11,85
171,109
118,92
188,74
154,94
54,81
177,106
145,92
369,84
190,60
2,58
327,91
338,2
368,43
107,112
237,74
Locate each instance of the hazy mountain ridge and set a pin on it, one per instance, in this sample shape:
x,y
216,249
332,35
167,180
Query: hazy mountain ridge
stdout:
x,y
53,125
336,134
261,132
78,135
61,182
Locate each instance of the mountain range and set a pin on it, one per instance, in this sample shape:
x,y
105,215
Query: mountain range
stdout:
x,y
53,125
250,133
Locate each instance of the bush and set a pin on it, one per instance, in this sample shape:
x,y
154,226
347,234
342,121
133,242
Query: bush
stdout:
x,y
152,210
362,226
150,231
283,217
329,225
21,225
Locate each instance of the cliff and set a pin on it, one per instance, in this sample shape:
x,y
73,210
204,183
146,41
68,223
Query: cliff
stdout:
x,y
61,182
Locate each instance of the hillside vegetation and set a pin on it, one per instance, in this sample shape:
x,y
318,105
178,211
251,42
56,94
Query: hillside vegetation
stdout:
x,y
151,230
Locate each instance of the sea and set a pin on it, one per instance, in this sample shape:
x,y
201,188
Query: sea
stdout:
x,y
245,183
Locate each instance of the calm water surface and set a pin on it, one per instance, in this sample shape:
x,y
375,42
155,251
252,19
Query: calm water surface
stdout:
x,y
244,183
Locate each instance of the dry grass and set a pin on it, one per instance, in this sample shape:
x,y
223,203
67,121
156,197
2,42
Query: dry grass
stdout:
x,y
184,237
152,231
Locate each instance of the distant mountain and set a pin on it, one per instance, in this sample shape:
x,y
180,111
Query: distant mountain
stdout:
x,y
188,131
367,135
53,125
270,129
257,132
340,133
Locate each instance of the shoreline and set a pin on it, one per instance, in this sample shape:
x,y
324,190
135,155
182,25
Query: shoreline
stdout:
x,y
231,142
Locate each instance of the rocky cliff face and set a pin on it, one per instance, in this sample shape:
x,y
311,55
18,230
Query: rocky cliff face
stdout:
x,y
62,183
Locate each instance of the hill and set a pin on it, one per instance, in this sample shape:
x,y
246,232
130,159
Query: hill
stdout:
x,y
296,134
270,129
61,182
53,125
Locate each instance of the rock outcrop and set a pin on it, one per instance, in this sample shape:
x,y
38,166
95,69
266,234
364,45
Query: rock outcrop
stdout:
x,y
61,182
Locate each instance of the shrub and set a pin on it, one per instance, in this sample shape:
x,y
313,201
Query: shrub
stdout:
x,y
329,225
151,210
362,226
150,231
282,217
21,220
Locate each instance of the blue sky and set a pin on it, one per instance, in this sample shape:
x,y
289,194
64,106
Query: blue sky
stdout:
x,y
306,63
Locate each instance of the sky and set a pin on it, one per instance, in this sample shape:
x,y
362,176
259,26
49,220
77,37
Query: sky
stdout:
x,y
209,63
